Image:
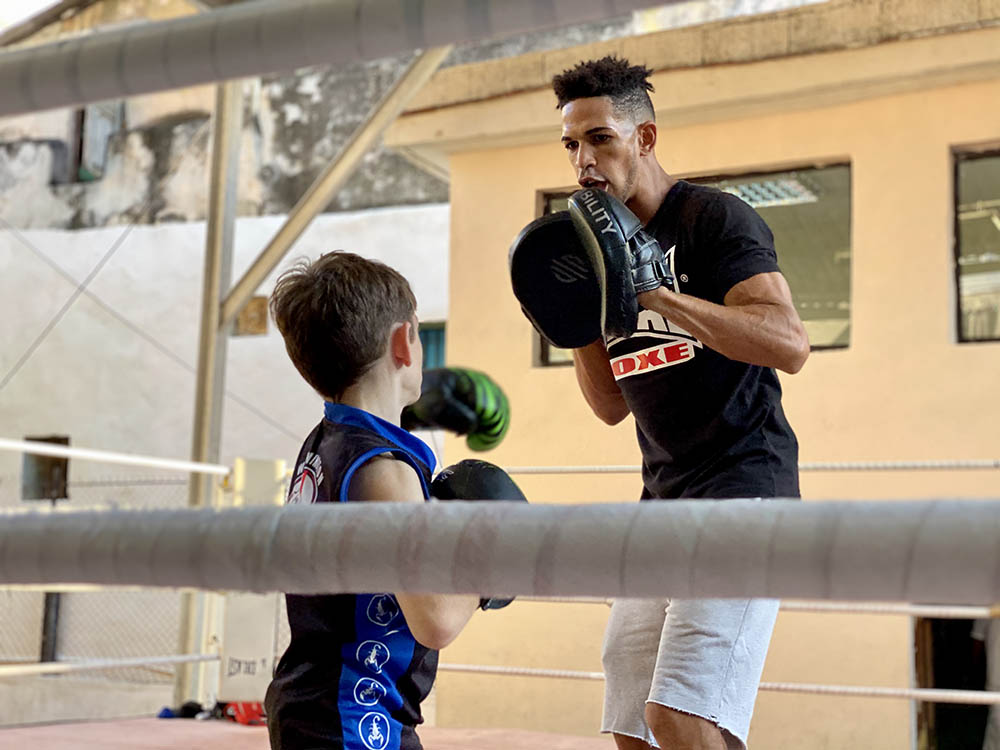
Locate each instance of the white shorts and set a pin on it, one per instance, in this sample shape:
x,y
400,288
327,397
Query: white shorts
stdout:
x,y
700,656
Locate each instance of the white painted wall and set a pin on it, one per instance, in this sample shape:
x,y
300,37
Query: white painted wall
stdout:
x,y
99,382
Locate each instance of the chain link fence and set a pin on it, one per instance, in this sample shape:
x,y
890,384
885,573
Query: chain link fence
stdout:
x,y
103,623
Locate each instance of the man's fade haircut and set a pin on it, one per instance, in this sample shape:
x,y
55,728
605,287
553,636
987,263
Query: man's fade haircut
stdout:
x,y
626,85
336,314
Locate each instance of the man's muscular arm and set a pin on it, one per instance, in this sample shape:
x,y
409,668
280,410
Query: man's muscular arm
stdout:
x,y
434,619
593,373
757,324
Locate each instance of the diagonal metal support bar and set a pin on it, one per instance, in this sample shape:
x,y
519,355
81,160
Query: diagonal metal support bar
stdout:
x,y
322,191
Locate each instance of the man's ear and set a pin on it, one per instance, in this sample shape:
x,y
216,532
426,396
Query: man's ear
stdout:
x,y
646,133
401,344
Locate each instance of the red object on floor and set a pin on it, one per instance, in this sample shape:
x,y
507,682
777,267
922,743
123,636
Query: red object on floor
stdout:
x,y
248,714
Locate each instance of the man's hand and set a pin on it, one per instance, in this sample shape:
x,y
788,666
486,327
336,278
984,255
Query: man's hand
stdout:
x,y
626,259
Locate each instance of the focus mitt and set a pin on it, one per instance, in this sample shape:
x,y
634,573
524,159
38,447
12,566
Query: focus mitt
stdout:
x,y
626,260
554,280
472,479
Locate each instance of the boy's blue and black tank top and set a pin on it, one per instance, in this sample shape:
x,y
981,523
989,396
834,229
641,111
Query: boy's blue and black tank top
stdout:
x,y
353,675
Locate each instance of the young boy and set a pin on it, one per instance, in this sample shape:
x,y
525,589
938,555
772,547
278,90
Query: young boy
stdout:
x,y
358,665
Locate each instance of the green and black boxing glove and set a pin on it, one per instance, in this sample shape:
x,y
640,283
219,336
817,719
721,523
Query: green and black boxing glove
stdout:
x,y
462,401
472,479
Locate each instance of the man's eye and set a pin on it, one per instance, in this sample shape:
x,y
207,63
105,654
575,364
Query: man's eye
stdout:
x,y
570,145
601,138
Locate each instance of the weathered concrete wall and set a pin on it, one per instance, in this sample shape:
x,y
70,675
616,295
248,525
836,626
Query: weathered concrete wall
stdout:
x,y
295,124
305,119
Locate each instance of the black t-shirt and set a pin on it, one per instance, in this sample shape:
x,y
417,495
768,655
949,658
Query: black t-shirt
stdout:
x,y
353,676
708,426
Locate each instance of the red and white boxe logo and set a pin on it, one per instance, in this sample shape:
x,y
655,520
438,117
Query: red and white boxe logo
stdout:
x,y
654,358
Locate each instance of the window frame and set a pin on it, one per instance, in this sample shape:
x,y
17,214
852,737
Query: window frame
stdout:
x,y
960,155
703,179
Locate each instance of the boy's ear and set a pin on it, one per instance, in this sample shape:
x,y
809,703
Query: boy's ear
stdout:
x,y
401,344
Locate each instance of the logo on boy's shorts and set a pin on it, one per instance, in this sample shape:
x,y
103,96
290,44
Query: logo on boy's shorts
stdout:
x,y
374,655
368,692
382,609
308,478
374,730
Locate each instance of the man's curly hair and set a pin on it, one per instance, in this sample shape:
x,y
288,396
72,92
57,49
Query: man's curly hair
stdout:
x,y
624,84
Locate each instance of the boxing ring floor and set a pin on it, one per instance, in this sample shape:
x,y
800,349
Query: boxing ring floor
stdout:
x,y
191,734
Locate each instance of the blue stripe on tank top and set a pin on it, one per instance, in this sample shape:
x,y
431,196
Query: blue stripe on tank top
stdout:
x,y
383,646
373,665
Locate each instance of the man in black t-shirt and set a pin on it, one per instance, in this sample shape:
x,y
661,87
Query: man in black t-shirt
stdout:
x,y
698,377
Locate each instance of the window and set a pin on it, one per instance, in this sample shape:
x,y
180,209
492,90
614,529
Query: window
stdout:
x,y
977,245
809,212
95,125
432,338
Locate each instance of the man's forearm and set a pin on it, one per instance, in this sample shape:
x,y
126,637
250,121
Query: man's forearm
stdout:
x,y
597,382
762,333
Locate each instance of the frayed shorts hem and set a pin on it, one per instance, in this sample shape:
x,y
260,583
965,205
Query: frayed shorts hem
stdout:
x,y
733,740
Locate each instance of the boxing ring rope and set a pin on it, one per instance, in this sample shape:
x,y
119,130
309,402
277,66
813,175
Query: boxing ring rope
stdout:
x,y
920,465
266,36
863,549
926,695
66,667
944,551
109,457
853,608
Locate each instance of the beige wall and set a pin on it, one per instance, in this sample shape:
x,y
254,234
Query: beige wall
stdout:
x,y
903,390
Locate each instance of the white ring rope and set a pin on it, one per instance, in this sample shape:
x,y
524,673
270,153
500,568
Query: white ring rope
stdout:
x,y
910,610
932,611
253,38
919,465
851,608
65,667
109,457
942,551
927,695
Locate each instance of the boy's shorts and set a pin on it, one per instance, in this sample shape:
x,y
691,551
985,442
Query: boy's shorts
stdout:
x,y
699,656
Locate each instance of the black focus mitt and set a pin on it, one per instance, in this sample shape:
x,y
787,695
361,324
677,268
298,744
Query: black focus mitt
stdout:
x,y
472,479
627,261
555,282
